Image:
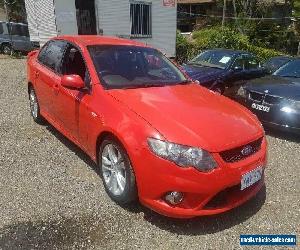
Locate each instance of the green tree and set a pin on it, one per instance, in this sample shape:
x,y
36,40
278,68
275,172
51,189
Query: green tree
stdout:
x,y
15,9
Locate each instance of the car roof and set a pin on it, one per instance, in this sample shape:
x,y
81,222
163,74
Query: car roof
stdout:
x,y
88,40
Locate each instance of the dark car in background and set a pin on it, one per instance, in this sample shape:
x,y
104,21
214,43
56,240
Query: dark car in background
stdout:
x,y
223,70
275,99
15,37
276,62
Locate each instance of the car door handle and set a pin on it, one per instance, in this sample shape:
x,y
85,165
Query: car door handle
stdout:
x,y
56,87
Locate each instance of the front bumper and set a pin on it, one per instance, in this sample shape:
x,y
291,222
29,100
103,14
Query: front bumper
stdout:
x,y
276,118
204,193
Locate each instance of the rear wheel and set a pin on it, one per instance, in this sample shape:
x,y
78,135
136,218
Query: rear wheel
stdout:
x,y
116,171
34,106
6,49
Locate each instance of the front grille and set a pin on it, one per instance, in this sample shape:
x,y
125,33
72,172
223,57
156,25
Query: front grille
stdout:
x,y
272,99
237,154
256,96
222,198
264,98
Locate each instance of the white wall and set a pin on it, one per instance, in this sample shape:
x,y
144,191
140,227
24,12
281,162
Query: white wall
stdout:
x,y
66,22
32,20
41,20
114,19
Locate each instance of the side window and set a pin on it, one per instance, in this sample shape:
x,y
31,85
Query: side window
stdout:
x,y
252,63
16,29
51,55
73,64
1,29
239,63
42,53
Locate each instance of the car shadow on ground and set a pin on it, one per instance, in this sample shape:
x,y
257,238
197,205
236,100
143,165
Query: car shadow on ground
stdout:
x,y
283,135
73,147
195,226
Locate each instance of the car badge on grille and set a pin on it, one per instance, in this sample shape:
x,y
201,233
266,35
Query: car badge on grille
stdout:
x,y
247,150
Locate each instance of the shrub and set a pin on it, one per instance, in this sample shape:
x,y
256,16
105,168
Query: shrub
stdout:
x,y
216,37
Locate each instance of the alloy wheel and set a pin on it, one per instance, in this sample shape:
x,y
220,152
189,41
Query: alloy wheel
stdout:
x,y
113,168
33,104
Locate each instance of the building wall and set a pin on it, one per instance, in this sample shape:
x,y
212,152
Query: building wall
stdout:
x,y
41,20
114,20
65,12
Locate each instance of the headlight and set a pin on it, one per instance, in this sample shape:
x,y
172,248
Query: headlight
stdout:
x,y
183,156
291,107
242,92
296,105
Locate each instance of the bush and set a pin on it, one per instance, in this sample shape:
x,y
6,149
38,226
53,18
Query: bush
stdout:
x,y
216,37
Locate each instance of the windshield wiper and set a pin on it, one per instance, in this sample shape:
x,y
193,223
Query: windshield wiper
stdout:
x,y
184,82
195,63
290,76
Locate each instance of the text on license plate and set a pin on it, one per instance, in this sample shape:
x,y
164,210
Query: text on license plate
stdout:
x,y
251,177
260,107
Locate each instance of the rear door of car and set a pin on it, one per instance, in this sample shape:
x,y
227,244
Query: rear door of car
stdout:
x,y
48,74
20,37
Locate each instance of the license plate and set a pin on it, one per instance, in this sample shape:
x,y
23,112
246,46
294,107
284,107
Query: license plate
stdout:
x,y
251,177
260,107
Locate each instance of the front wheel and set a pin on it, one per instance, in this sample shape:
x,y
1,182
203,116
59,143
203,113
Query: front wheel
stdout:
x,y
117,173
34,106
7,49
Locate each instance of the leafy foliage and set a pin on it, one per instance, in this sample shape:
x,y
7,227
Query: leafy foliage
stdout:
x,y
218,37
16,10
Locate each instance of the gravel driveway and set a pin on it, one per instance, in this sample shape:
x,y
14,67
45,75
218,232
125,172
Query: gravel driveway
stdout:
x,y
51,195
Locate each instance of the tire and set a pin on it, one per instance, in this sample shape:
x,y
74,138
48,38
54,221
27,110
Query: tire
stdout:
x,y
6,49
34,106
118,178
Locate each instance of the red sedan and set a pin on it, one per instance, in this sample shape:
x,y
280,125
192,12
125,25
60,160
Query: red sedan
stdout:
x,y
156,136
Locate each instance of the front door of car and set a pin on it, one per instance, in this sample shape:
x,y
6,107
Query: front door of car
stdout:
x,y
48,74
72,105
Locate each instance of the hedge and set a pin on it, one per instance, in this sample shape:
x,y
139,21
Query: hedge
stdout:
x,y
216,37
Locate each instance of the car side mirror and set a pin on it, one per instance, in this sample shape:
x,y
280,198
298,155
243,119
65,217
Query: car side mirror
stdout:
x,y
72,82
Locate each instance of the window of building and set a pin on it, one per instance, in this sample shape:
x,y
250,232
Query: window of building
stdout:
x,y
141,19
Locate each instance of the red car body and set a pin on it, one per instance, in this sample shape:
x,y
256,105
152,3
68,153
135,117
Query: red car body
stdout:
x,y
184,114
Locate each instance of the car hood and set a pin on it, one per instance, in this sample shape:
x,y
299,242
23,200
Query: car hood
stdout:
x,y
275,85
192,115
203,74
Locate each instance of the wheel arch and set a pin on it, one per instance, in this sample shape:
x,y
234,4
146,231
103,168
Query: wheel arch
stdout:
x,y
101,137
29,85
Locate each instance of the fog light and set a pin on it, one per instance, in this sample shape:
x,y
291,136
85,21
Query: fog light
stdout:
x,y
174,197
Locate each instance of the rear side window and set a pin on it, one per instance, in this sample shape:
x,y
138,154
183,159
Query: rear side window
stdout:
x,y
51,55
1,29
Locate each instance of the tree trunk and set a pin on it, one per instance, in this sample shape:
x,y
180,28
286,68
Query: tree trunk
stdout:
x,y
224,14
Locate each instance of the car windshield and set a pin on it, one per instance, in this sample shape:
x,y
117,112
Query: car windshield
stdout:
x,y
134,67
213,58
291,69
275,63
